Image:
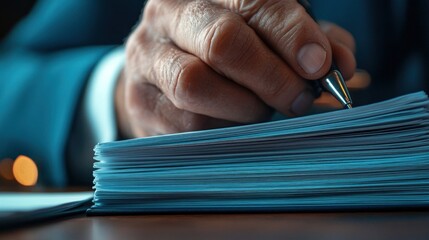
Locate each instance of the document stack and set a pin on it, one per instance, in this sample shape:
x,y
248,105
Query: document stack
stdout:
x,y
369,157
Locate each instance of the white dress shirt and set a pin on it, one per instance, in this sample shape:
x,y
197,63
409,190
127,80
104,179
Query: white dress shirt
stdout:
x,y
95,121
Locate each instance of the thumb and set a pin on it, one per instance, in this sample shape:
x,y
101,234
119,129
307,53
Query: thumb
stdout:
x,y
290,31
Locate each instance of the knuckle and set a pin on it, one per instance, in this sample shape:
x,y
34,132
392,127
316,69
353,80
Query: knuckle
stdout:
x,y
153,8
222,40
132,54
150,10
130,49
284,22
137,50
293,31
247,8
134,42
187,88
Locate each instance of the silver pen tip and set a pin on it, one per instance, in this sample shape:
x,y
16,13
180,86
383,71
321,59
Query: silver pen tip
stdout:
x,y
349,105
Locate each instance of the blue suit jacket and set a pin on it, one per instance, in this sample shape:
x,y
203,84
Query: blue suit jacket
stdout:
x,y
44,64
46,60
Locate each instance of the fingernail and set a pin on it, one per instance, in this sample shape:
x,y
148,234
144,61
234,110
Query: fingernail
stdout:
x,y
311,57
302,103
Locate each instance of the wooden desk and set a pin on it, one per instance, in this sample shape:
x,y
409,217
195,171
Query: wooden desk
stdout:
x,y
396,225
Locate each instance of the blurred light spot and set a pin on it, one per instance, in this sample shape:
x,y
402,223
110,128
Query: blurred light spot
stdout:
x,y
6,169
25,171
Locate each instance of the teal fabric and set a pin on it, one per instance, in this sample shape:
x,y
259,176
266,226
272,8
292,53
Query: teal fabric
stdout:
x,y
38,98
44,65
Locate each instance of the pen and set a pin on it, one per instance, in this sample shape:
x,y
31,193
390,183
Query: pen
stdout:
x,y
333,82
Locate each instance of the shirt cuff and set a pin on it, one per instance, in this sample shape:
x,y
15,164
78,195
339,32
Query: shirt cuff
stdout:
x,y
99,101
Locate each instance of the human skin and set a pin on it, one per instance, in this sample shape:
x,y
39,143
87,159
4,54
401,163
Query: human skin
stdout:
x,y
201,64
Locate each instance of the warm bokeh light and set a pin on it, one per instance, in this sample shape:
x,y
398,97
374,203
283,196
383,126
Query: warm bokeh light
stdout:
x,y
6,168
25,171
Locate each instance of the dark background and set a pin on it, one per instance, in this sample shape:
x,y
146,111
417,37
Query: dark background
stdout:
x,y
11,12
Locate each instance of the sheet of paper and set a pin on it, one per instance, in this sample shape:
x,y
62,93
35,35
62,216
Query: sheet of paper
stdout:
x,y
24,201
17,209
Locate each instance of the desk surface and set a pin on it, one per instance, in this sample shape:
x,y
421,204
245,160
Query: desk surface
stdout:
x,y
372,225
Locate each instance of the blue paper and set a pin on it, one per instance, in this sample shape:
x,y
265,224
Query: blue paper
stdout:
x,y
369,157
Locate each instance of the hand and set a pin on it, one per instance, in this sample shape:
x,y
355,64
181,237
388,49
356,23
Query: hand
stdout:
x,y
199,64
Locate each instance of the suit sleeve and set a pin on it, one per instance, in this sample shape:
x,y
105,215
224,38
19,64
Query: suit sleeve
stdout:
x,y
44,65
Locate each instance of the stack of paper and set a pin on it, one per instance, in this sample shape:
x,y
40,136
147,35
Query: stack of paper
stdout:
x,y
375,156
